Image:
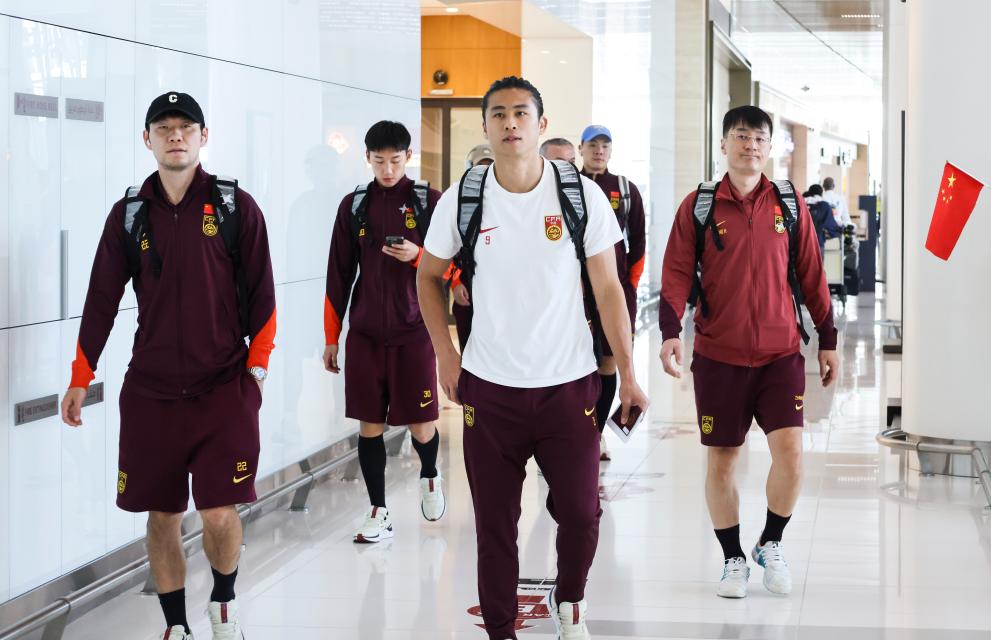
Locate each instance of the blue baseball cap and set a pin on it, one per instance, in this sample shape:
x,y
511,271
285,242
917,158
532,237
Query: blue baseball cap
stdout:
x,y
593,131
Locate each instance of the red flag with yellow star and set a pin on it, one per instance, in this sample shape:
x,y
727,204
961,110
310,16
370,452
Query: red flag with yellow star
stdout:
x,y
957,196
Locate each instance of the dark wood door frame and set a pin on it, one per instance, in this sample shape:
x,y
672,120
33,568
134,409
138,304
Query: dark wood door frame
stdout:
x,y
445,105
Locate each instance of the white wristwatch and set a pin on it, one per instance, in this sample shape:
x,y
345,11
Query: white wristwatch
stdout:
x,y
258,373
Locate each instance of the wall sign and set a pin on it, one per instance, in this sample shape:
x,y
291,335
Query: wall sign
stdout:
x,y
28,104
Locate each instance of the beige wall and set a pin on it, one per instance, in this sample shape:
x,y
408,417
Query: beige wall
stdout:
x,y
689,100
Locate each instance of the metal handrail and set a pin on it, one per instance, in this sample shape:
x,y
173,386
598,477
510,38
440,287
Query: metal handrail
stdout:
x,y
898,439
54,617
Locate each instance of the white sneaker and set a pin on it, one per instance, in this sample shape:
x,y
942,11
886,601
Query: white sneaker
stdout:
x,y
177,632
603,448
777,576
569,618
734,581
377,526
224,620
433,504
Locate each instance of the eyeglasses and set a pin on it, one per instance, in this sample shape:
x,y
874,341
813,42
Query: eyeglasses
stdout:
x,y
743,138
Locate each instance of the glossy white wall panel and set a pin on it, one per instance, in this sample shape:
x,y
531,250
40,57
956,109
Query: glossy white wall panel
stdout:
x,y
83,158
5,426
84,491
122,526
109,17
123,137
273,416
313,398
34,52
301,21
34,459
6,113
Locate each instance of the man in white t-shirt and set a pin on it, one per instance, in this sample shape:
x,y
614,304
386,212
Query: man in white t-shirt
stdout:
x,y
528,381
840,209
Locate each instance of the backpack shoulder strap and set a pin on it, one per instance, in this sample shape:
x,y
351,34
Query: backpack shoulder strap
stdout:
x,y
705,202
420,203
705,198
470,194
359,212
572,196
790,214
225,204
138,236
625,205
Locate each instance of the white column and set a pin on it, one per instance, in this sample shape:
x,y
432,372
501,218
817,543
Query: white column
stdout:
x,y
947,345
895,97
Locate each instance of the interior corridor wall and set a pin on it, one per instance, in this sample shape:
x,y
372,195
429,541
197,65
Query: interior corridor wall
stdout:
x,y
945,346
288,91
895,97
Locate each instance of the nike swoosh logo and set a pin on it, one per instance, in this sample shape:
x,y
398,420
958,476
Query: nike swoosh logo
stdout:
x,y
487,230
798,407
424,404
589,412
719,224
242,478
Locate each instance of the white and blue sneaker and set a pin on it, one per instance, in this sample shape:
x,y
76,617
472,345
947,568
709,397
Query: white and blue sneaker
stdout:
x,y
777,576
733,584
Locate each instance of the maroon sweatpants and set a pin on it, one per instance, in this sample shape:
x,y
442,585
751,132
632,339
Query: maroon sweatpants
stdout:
x,y
503,428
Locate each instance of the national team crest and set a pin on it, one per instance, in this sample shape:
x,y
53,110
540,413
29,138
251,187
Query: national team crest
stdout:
x,y
410,220
614,199
552,227
121,481
209,221
707,422
469,416
779,220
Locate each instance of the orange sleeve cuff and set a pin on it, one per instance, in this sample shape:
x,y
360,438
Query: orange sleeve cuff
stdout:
x,y
456,278
419,256
262,344
331,323
82,373
636,271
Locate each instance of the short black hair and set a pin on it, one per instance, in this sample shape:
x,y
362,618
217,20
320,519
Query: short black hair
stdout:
x,y
173,114
387,134
828,184
555,142
815,190
749,116
513,82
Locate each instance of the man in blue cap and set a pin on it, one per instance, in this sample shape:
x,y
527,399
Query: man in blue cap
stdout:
x,y
596,150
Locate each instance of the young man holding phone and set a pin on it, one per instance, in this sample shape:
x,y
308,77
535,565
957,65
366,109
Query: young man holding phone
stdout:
x,y
390,373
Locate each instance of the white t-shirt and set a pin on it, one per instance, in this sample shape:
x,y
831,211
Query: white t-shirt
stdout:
x,y
528,328
838,203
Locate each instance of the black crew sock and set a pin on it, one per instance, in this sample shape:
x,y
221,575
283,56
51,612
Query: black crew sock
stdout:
x,y
371,457
174,607
729,540
774,528
606,398
223,586
428,455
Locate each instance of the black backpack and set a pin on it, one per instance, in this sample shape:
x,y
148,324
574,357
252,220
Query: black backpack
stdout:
x,y
705,199
571,195
418,216
225,221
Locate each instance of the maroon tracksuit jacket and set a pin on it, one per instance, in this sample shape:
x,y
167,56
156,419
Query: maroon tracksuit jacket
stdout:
x,y
384,303
630,264
189,335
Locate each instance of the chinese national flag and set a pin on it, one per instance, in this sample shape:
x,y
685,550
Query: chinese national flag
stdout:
x,y
956,199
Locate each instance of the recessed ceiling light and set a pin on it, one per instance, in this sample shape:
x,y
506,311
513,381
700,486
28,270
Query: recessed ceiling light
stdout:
x,y
545,51
563,61
861,15
452,9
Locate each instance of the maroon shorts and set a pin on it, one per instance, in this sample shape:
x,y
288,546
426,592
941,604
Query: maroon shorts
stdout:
x,y
631,307
395,384
213,436
729,397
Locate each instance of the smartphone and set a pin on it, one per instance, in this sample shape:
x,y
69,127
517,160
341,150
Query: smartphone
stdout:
x,y
391,241
625,430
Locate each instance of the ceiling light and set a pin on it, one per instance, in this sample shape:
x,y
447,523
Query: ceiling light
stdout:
x,y
564,62
545,51
861,15
452,9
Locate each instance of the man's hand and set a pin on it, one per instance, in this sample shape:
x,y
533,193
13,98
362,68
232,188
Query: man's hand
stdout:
x,y
672,347
405,252
261,386
461,295
631,395
72,406
330,358
449,366
829,366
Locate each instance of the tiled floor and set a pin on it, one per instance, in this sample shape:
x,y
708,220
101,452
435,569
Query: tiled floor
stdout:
x,y
877,551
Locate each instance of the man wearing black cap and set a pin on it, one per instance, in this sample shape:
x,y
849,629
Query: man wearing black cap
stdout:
x,y
196,250
624,197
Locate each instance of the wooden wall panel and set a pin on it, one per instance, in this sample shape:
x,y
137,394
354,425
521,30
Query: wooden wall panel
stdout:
x,y
472,52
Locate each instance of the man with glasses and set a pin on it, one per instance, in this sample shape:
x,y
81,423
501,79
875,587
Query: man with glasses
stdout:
x,y
747,359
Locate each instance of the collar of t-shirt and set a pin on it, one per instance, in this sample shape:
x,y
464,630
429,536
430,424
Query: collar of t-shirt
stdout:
x,y
728,191
400,187
152,188
499,191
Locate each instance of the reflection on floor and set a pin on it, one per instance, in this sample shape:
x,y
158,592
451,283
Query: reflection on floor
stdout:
x,y
876,551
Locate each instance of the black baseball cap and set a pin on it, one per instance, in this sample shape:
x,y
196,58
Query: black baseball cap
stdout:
x,y
175,101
